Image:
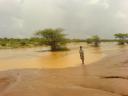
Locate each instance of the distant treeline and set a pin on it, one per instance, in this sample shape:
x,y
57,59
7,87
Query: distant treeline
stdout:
x,y
112,40
101,40
56,39
32,42
16,43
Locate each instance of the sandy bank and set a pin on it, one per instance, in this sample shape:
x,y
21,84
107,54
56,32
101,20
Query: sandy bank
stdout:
x,y
108,77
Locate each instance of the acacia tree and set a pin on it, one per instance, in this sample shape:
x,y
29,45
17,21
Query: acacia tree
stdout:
x,y
94,40
121,38
53,38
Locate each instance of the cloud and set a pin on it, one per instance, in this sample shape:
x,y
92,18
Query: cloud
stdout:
x,y
79,18
10,16
121,15
94,1
103,3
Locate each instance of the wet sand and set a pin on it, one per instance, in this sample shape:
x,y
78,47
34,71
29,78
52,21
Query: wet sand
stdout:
x,y
107,77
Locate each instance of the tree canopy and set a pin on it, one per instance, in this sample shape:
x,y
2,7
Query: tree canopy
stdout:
x,y
53,37
94,40
122,38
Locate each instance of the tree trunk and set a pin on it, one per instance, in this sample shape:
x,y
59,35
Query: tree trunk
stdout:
x,y
96,44
53,46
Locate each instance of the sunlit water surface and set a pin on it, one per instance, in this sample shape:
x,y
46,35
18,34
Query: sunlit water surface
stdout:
x,y
41,58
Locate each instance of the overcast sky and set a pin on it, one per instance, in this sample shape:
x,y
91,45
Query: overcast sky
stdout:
x,y
79,18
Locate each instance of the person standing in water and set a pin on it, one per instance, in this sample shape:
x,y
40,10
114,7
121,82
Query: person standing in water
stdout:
x,y
81,54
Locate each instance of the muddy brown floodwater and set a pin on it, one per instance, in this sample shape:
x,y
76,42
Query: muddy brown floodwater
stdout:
x,y
38,72
41,58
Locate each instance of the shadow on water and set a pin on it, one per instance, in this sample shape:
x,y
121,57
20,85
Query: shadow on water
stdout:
x,y
43,51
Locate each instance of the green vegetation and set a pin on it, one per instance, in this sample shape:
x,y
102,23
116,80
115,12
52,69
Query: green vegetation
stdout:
x,y
122,38
18,43
94,40
77,40
57,40
108,40
53,38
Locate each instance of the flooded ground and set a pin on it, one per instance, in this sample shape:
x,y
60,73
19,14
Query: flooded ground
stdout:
x,y
104,74
41,58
